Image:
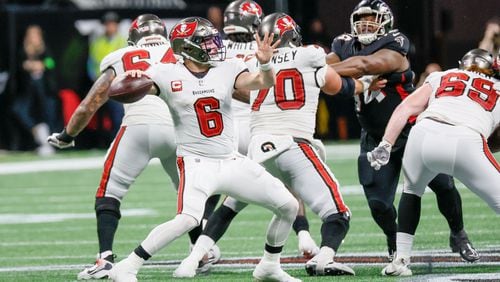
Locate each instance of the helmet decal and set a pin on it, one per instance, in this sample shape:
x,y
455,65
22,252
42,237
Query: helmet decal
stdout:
x,y
251,8
284,24
184,29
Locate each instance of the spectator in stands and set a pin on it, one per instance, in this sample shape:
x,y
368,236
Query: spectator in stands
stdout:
x,y
317,35
99,47
491,37
37,106
215,16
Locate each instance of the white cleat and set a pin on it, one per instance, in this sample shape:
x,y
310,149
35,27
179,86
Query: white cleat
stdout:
x,y
271,271
323,264
212,257
124,271
187,269
398,267
99,270
307,246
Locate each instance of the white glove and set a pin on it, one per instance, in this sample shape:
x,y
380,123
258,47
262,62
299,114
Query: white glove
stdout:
x,y
380,156
61,140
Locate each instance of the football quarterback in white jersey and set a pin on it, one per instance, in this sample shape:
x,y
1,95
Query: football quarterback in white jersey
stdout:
x,y
457,110
199,92
282,125
146,132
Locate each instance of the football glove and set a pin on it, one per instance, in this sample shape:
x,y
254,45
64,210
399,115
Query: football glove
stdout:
x,y
380,156
61,140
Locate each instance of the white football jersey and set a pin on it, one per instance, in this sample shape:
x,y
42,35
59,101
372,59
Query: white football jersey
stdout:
x,y
150,109
289,107
464,98
200,105
243,51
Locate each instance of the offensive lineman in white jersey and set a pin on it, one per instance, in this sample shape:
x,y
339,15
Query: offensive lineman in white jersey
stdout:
x,y
282,124
199,94
241,20
147,132
457,110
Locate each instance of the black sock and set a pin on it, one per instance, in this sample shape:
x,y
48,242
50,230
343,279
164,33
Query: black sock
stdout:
x,y
273,250
107,223
219,222
195,233
409,213
300,224
333,230
139,251
210,205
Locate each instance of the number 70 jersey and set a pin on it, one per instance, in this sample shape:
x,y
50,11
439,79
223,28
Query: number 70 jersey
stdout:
x,y
464,98
289,107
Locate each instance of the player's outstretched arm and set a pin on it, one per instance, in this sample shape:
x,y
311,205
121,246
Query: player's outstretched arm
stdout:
x,y
265,77
413,105
94,99
382,61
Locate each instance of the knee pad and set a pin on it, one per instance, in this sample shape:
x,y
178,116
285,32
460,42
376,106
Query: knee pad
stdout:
x,y
108,205
290,209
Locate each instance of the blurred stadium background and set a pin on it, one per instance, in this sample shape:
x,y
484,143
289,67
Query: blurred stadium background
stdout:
x,y
47,225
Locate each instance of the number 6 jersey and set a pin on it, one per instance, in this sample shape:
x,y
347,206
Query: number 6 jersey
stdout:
x,y
200,104
464,98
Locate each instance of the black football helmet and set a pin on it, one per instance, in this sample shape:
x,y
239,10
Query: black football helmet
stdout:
x,y
197,39
367,31
146,25
241,20
283,27
479,60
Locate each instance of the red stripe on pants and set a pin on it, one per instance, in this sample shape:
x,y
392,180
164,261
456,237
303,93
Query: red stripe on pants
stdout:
x,y
489,155
180,190
325,175
108,164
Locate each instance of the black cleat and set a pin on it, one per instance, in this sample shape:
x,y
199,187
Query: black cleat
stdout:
x,y
459,243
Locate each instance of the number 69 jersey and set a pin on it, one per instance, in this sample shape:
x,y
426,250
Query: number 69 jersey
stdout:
x,y
150,109
464,98
200,104
289,107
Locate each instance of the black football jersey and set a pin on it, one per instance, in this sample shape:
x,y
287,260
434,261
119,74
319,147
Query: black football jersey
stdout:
x,y
374,113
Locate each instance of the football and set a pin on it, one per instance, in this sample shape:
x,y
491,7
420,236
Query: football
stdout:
x,y
127,89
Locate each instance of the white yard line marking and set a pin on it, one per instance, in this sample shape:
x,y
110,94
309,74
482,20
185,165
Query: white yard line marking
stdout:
x,y
23,218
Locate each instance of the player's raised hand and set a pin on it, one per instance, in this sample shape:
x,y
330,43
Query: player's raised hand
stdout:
x,y
380,156
265,47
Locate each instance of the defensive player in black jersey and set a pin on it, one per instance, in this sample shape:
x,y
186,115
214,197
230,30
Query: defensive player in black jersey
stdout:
x,y
374,49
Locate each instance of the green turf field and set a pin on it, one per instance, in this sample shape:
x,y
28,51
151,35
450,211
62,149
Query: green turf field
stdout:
x,y
47,225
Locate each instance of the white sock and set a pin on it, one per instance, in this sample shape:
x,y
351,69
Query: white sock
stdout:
x,y
136,260
404,243
202,246
326,252
272,257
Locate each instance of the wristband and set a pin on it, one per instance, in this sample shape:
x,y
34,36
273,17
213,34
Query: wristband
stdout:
x,y
348,86
266,67
65,137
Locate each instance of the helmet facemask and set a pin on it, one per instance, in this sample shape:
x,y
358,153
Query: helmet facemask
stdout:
x,y
367,29
198,40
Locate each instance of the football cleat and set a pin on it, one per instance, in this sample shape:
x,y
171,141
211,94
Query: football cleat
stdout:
x,y
187,269
99,270
271,271
323,264
126,270
398,267
307,246
211,258
459,243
